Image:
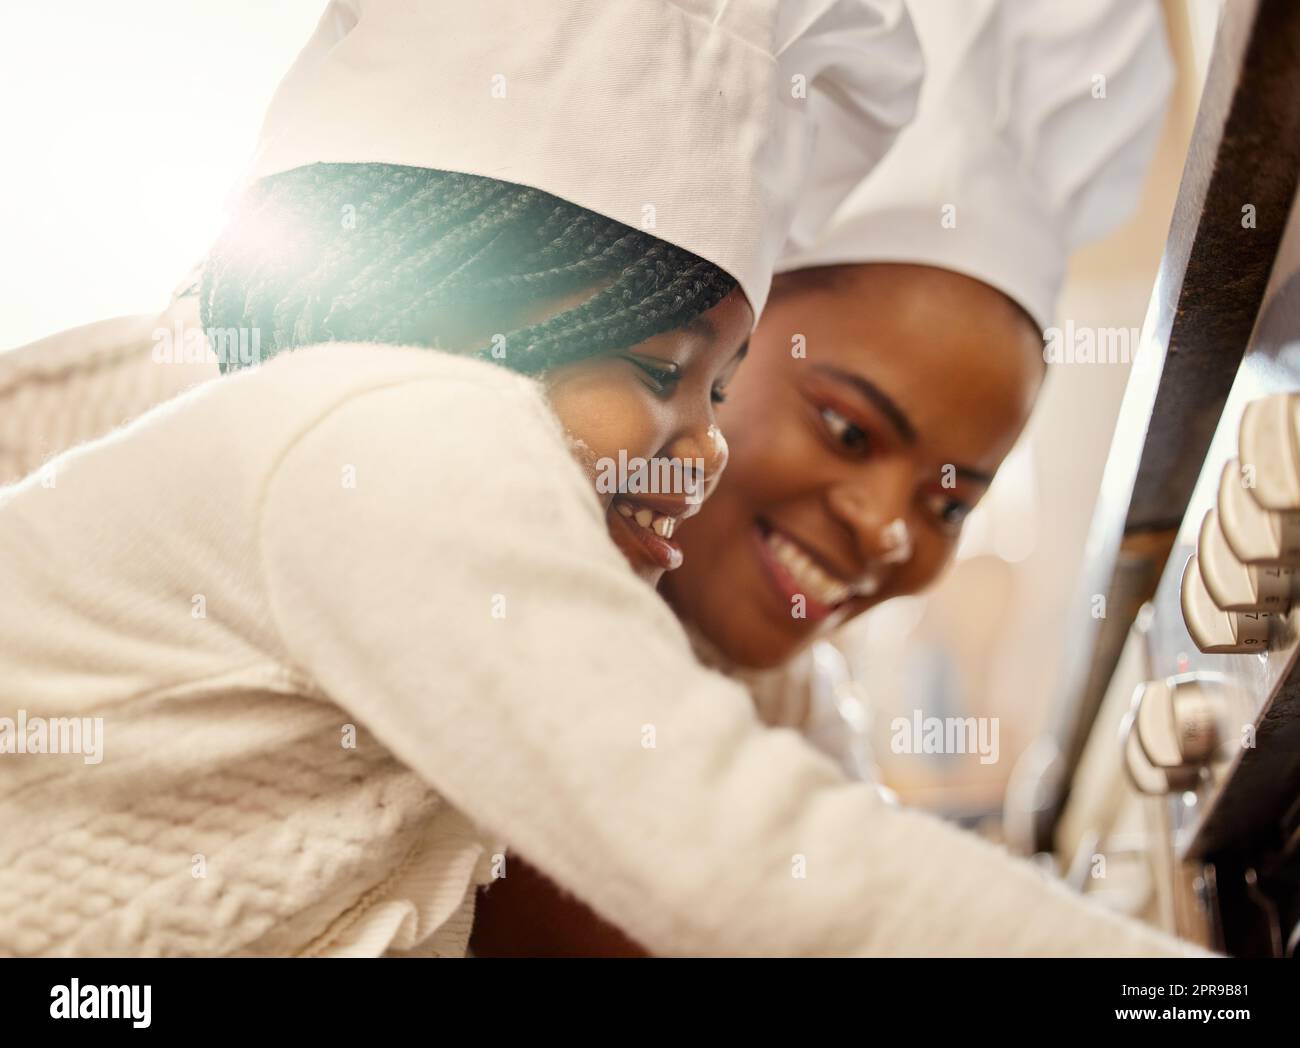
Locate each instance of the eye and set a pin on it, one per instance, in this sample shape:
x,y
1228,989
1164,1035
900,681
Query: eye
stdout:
x,y
719,395
662,376
949,512
852,437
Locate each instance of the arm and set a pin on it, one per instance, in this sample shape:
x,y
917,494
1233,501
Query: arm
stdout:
x,y
578,726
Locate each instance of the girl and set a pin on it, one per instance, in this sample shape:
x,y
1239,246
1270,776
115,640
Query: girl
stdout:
x,y
182,625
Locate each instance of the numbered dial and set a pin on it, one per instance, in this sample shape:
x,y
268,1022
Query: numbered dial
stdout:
x,y
1214,630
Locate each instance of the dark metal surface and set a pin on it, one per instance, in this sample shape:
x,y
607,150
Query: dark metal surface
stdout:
x,y
1226,265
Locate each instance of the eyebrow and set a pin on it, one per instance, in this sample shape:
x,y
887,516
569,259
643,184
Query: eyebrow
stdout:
x,y
896,415
883,401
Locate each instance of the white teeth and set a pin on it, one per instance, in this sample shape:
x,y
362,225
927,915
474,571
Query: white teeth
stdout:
x,y
660,523
818,584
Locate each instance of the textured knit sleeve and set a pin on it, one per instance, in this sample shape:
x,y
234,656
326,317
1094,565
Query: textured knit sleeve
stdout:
x,y
437,565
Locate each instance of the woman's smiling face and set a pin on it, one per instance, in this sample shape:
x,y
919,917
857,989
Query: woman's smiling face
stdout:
x,y
878,403
654,403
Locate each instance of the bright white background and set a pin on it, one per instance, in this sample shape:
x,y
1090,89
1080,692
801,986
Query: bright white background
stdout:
x,y
124,126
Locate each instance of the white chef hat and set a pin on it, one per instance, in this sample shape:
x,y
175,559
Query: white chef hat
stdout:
x,y
1036,123
694,120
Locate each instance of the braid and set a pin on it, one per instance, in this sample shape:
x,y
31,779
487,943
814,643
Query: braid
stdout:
x,y
375,218
403,255
566,337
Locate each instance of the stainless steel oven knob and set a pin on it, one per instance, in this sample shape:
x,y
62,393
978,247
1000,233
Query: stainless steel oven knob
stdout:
x,y
1269,444
1178,721
1234,586
1145,777
1174,729
1214,630
1256,535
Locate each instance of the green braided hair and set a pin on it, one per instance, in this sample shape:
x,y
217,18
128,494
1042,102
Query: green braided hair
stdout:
x,y
405,255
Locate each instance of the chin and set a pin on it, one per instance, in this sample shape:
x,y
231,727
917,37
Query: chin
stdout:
x,y
768,660
651,574
647,573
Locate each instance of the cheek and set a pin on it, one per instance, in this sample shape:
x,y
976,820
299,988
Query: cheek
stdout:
x,y
932,553
774,451
976,425
603,417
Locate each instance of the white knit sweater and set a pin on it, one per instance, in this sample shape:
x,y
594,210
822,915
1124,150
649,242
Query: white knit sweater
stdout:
x,y
398,539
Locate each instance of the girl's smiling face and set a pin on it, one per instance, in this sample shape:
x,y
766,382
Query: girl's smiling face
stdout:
x,y
654,403
879,402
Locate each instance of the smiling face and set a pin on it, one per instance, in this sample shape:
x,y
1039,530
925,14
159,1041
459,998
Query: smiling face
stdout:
x,y
856,453
654,403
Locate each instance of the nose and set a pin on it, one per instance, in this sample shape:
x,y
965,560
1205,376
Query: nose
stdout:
x,y
876,510
702,451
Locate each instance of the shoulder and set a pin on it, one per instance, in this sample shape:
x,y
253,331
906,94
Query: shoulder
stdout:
x,y
341,371
439,398
401,423
376,396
